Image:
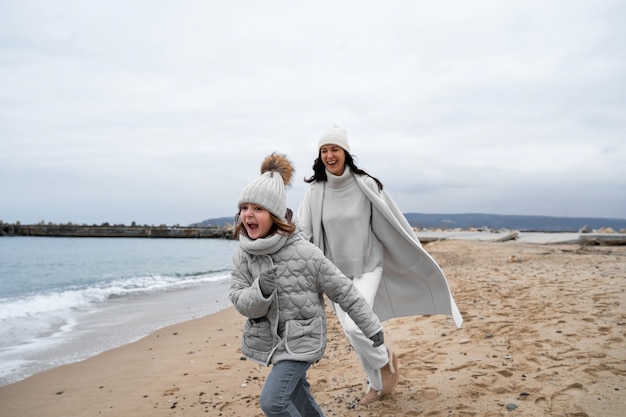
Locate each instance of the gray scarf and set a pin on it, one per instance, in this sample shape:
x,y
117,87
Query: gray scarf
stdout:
x,y
263,246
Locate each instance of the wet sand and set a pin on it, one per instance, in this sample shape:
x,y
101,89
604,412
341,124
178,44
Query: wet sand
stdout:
x,y
544,335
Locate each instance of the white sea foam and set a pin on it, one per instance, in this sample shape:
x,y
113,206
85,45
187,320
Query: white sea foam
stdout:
x,y
59,301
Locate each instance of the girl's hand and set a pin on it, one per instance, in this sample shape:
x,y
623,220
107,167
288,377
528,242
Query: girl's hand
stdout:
x,y
267,282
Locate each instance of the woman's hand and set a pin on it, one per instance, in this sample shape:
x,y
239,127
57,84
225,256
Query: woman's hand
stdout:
x,y
378,338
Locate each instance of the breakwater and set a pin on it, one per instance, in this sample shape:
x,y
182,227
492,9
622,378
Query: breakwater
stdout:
x,y
225,232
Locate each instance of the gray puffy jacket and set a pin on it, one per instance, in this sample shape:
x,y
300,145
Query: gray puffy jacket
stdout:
x,y
291,323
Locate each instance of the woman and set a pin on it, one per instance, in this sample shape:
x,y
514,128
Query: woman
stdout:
x,y
278,282
347,214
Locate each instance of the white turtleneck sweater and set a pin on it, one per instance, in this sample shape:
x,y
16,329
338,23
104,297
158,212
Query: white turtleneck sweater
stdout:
x,y
348,237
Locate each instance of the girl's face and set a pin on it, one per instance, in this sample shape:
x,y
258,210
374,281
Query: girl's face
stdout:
x,y
256,219
334,158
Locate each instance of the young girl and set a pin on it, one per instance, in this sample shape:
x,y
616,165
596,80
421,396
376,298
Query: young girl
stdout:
x,y
278,282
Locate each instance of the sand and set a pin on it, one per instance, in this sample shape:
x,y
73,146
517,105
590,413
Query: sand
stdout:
x,y
544,335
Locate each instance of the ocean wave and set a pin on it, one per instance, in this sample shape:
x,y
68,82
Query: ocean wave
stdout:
x,y
81,297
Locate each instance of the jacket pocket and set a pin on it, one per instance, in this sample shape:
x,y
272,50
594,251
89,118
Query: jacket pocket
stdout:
x,y
305,337
257,336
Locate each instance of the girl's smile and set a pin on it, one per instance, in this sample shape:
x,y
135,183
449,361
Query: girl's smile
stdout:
x,y
256,219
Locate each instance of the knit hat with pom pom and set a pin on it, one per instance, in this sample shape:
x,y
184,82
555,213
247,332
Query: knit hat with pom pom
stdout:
x,y
268,190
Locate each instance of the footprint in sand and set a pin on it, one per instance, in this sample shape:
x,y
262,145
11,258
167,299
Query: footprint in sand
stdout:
x,y
251,402
494,414
171,391
562,400
462,366
430,393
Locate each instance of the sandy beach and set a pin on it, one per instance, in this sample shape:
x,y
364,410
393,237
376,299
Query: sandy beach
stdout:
x,y
544,335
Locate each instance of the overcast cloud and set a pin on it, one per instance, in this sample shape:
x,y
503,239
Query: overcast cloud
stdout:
x,y
160,112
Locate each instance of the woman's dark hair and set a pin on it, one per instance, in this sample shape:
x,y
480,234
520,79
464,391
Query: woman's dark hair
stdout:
x,y
279,226
319,170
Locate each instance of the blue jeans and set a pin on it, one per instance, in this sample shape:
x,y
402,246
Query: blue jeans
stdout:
x,y
287,393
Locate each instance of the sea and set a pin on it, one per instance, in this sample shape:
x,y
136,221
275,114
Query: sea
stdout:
x,y
63,300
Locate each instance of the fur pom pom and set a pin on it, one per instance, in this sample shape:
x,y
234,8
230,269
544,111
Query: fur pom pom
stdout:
x,y
278,163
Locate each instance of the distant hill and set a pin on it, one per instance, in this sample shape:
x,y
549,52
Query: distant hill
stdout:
x,y
486,221
220,222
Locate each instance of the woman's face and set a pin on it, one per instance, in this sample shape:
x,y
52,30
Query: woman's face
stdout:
x,y
256,219
334,158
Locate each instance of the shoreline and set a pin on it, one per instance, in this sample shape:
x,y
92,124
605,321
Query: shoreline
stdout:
x,y
118,323
544,331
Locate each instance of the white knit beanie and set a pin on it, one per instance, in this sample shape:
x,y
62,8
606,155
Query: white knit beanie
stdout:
x,y
268,190
335,135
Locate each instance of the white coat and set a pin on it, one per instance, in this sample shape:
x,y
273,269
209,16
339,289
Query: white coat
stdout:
x,y
412,282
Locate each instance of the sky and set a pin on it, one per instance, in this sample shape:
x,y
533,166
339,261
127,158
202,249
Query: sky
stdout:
x,y
160,112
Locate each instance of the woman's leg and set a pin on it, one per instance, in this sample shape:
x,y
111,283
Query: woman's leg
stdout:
x,y
372,359
286,392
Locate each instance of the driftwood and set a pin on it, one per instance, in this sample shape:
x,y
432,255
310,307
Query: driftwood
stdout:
x,y
506,238
427,239
607,239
